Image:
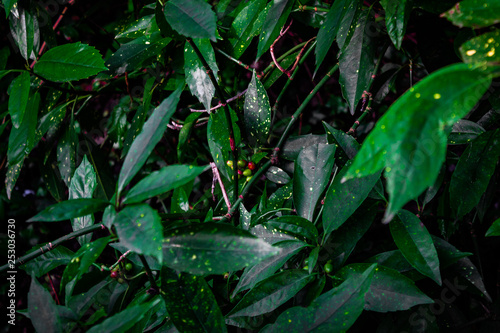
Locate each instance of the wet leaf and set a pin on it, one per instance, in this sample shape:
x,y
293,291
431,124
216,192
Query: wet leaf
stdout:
x,y
275,20
474,13
410,139
161,181
48,261
464,131
83,184
25,31
69,209
145,142
467,272
191,18
257,113
484,49
294,145
69,62
212,248
42,309
19,91
294,225
397,14
122,321
473,172
277,175
246,25
139,229
66,154
415,242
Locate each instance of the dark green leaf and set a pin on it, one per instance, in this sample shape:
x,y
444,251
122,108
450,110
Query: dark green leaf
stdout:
x,y
295,225
139,229
280,197
145,142
19,91
389,290
275,20
137,28
466,271
69,62
191,18
11,177
464,131
197,77
83,184
185,134
473,172
410,139
257,113
8,4
42,309
447,253
52,180
270,293
69,209
311,175
123,320
66,154
161,181
349,145
356,63
277,175
415,242
270,234
334,311
48,261
190,303
494,229
25,31
212,248
482,49
397,14
21,139
348,24
474,13
276,73
329,29
246,25
252,275
50,121
130,55
342,199
294,145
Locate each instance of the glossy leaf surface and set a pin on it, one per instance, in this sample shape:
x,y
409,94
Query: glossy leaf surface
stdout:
x,y
257,113
69,209
191,18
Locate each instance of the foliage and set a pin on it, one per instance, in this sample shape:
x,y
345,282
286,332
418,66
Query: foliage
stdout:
x,y
238,165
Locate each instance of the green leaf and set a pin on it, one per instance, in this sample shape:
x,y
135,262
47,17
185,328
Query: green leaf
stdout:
x,y
145,142
275,20
69,209
252,275
66,153
280,197
329,29
22,139
122,321
276,73
349,145
357,62
294,145
246,25
348,25
464,131
482,49
185,134
8,4
333,311
466,271
277,175
389,290
257,113
42,309
197,77
83,185
415,242
50,121
473,172
474,13
190,303
410,139
19,91
191,18
342,199
70,62
294,225
132,54
397,14
494,229
270,293
25,31
161,181
48,261
139,229
311,175
136,28
212,248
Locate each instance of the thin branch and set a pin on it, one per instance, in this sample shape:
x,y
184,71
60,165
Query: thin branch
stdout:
x,y
220,104
221,184
220,93
282,33
314,8
50,246
239,62
154,287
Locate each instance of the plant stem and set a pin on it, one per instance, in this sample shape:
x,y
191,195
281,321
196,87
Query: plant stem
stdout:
x,y
316,9
220,93
286,54
50,246
239,62
149,273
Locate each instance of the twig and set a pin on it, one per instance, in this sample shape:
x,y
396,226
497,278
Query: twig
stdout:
x,y
123,256
220,104
286,54
316,9
239,62
220,93
215,171
282,32
53,289
154,287
50,246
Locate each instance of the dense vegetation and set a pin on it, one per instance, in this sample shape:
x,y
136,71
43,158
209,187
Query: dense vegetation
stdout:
x,y
235,165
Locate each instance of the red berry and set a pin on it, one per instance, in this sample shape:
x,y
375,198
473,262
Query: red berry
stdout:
x,y
114,275
251,165
240,172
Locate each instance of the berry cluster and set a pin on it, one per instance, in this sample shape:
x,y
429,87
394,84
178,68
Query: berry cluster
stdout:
x,y
244,168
